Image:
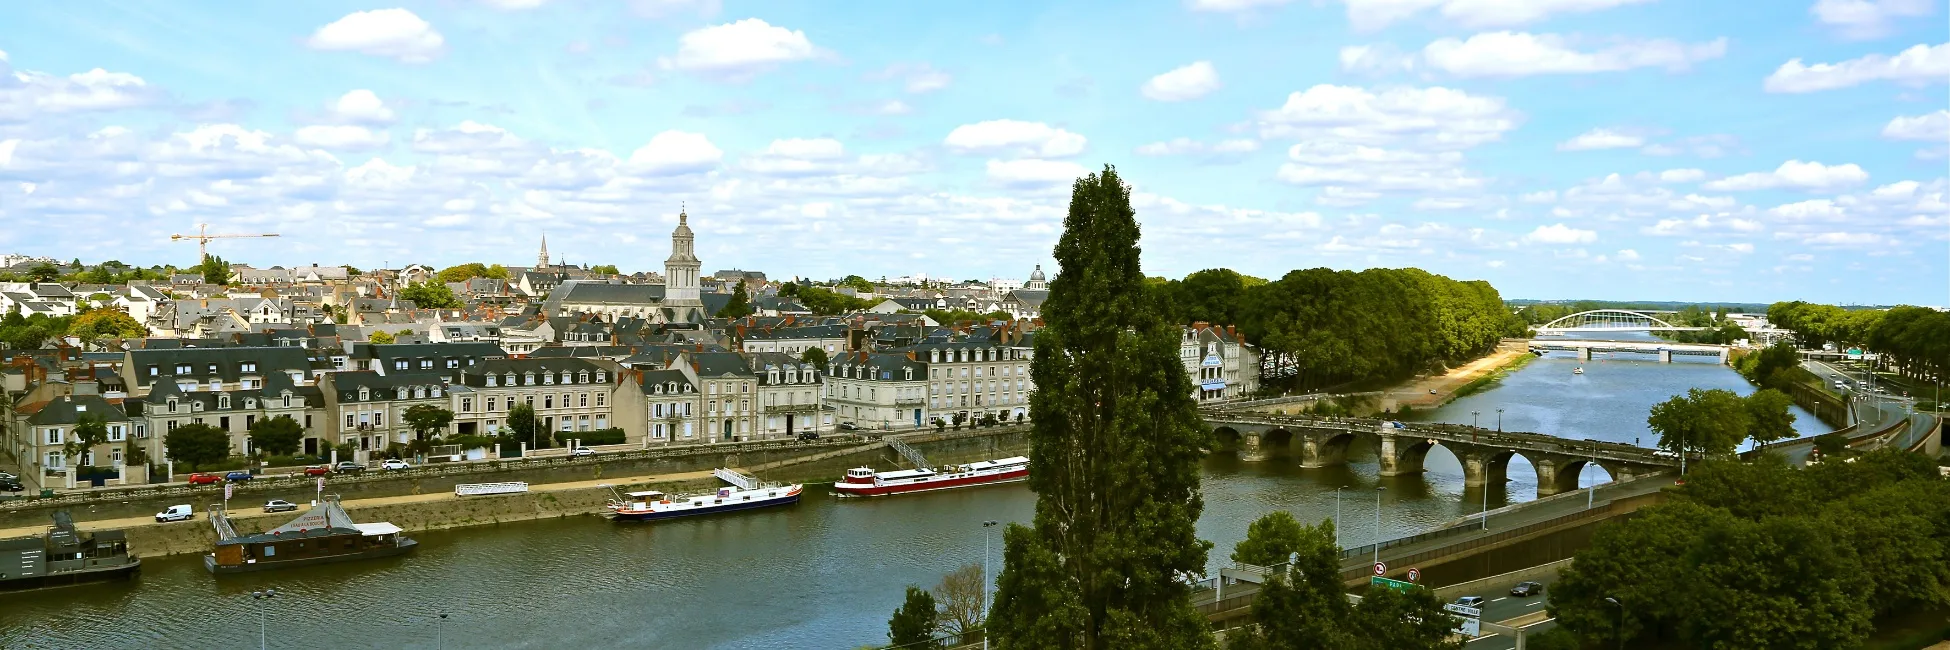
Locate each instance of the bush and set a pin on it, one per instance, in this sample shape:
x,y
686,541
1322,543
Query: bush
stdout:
x,y
609,436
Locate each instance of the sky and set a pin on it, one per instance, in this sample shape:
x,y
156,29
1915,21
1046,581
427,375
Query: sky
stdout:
x,y
1607,149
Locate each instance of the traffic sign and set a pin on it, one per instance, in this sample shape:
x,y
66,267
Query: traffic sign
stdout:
x,y
226,490
1385,583
1381,568
1414,574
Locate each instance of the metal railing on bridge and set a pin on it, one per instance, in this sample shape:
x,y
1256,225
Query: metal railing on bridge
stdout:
x,y
1596,512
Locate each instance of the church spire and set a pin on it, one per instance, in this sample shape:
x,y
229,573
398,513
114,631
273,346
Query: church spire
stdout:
x,y
541,262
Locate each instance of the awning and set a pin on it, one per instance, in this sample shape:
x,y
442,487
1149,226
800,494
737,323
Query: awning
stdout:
x,y
377,529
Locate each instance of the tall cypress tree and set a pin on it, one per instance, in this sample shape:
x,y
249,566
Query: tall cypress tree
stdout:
x,y
1114,453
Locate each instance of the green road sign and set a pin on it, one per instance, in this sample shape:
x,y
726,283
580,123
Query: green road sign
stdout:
x,y
1386,583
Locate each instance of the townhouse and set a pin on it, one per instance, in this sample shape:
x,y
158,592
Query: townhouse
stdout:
x,y
788,394
368,410
879,390
567,396
1220,363
832,339
977,377
226,387
727,390
670,405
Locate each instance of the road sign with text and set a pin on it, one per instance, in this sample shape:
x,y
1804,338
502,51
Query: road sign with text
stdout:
x,y
1385,583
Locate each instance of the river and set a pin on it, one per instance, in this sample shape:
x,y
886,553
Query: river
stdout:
x,y
825,573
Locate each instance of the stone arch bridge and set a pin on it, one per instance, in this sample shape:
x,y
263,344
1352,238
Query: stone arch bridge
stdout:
x,y
1485,454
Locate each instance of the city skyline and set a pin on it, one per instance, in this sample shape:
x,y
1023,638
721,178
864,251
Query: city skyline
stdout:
x,y
1605,149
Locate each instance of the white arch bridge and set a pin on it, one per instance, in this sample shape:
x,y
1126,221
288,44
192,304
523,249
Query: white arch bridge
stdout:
x,y
1610,320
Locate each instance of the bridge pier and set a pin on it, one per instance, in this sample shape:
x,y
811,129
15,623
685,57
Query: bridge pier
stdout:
x,y
1665,356
1392,463
1323,448
1250,449
1481,469
1584,354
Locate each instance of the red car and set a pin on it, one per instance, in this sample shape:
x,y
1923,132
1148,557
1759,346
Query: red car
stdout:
x,y
317,470
200,478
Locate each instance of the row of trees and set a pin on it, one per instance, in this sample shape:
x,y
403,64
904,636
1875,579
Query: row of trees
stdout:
x,y
29,332
1915,339
1763,555
1714,422
471,270
946,316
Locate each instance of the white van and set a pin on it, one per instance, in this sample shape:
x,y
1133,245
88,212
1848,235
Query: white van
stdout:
x,y
175,513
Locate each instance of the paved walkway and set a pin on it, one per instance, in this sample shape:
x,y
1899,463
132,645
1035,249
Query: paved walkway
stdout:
x,y
246,512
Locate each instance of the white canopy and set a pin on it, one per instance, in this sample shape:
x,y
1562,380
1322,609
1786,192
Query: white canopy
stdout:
x,y
377,529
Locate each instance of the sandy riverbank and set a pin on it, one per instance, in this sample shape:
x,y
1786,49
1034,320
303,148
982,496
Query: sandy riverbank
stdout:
x,y
1416,392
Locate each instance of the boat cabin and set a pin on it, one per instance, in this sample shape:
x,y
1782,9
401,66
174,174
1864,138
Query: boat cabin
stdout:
x,y
62,550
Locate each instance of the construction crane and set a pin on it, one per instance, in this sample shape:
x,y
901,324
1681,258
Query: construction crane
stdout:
x,y
203,238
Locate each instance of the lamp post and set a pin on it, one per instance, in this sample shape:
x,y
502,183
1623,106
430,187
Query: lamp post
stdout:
x,y
1377,522
1472,418
440,632
260,597
1337,517
1620,629
985,582
1499,420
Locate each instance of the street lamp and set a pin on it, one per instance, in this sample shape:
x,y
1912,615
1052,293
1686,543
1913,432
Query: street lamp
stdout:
x,y
1337,517
1472,418
440,632
1377,522
985,582
260,597
1499,420
1620,630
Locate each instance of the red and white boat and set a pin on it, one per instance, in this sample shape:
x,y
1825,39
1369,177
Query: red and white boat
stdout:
x,y
864,482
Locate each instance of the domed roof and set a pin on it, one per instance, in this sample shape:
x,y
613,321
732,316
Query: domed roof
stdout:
x,y
1036,275
683,225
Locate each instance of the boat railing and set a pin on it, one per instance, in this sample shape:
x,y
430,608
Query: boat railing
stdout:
x,y
479,489
220,520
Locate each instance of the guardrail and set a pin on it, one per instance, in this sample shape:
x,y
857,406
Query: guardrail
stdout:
x,y
1598,512
482,489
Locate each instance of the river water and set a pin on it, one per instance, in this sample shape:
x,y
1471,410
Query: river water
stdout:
x,y
825,573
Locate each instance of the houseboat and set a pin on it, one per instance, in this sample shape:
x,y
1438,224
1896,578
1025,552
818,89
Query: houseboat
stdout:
x,y
324,534
746,493
864,482
65,556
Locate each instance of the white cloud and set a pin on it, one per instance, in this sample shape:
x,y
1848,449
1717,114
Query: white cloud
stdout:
x,y
1016,137
360,107
392,33
1704,146
7,151
915,78
1601,139
1544,196
1682,175
1515,54
1809,210
739,50
1560,234
1373,169
1793,174
1381,58
341,137
1844,240
1626,255
1188,147
1864,19
893,107
26,94
1917,65
1190,81
1034,173
1432,118
1370,15
1928,127
677,152
468,137
1703,223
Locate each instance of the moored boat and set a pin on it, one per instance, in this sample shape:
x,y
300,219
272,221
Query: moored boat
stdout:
x,y
324,534
864,482
65,556
746,493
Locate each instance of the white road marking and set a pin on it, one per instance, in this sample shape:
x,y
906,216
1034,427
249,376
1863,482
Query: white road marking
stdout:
x,y
1497,599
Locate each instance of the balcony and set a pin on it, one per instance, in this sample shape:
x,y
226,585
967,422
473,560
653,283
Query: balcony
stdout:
x,y
791,408
910,401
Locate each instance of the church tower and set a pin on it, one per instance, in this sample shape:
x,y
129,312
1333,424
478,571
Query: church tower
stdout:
x,y
541,262
681,277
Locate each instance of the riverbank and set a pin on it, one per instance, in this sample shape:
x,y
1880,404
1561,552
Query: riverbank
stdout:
x,y
1459,381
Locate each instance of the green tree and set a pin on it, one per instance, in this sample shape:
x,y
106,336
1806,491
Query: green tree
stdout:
x,y
605,269
43,272
1115,446
815,356
960,595
89,430
1711,422
98,324
524,427
380,337
425,418
464,272
1270,539
197,444
1768,409
1405,620
913,625
739,306
1303,605
214,270
278,436
858,283
788,290
430,295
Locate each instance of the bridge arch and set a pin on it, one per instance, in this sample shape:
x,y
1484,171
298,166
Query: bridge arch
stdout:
x,y
1608,319
1226,438
1569,476
1322,449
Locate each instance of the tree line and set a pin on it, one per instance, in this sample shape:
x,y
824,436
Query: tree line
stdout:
x,y
1916,339
1321,327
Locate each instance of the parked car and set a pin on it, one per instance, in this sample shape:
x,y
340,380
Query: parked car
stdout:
x,y
317,470
849,426
808,436
1527,589
8,476
238,476
582,451
279,505
11,485
349,467
175,513
1470,601
394,463
201,478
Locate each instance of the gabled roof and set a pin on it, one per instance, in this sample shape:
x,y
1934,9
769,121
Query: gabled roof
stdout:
x,y
69,409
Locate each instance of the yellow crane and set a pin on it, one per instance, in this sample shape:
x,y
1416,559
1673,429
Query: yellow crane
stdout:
x,y
203,238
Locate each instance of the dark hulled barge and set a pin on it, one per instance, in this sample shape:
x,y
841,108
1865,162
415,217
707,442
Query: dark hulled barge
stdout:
x,y
325,534
65,556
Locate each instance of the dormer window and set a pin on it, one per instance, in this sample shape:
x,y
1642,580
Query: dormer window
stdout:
x,y
934,356
509,379
223,401
364,394
250,403
548,378
491,378
565,376
601,377
910,374
183,369
582,377
213,369
196,406
434,391
528,378
419,392
287,399
247,366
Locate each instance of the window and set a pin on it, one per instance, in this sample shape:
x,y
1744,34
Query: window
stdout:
x,y
687,412
182,368
490,382
247,366
599,399
379,418
600,377
213,369
582,423
582,377
657,410
399,364
548,401
490,404
744,387
548,378
53,436
169,426
453,363
308,420
527,399
466,404
582,400
249,420
714,388
426,364
152,371
657,431
348,421
54,459
223,401
141,430
568,423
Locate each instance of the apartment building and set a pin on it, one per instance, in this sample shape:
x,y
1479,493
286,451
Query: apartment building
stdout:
x,y
567,395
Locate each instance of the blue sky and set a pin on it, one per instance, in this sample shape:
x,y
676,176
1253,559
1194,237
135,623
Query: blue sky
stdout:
x,y
1623,149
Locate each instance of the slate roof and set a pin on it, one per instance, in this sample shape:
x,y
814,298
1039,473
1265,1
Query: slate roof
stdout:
x,y
613,294
204,364
68,409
